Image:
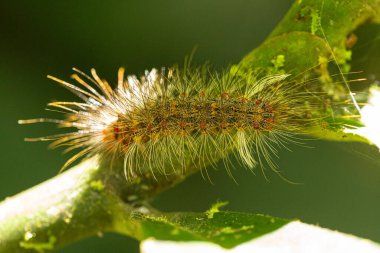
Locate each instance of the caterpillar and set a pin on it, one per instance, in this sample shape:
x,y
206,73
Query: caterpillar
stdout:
x,y
164,122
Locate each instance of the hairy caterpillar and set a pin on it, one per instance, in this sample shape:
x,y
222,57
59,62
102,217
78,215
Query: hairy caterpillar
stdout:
x,y
162,122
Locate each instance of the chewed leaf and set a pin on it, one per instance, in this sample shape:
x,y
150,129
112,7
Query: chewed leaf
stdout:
x,y
294,237
227,229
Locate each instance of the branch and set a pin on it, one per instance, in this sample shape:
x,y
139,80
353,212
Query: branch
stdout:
x,y
87,200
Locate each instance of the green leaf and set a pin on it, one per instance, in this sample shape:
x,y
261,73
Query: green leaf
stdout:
x,y
227,229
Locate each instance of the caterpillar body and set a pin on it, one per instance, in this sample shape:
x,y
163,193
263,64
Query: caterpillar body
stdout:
x,y
162,123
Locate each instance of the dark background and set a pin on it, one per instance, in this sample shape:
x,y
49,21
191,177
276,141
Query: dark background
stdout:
x,y
340,183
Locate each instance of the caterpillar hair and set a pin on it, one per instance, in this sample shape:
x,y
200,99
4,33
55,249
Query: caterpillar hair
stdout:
x,y
162,122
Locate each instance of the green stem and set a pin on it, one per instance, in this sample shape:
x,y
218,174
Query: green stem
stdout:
x,y
62,210
84,201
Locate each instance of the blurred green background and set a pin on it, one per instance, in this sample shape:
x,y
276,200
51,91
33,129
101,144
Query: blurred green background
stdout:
x,y
340,183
